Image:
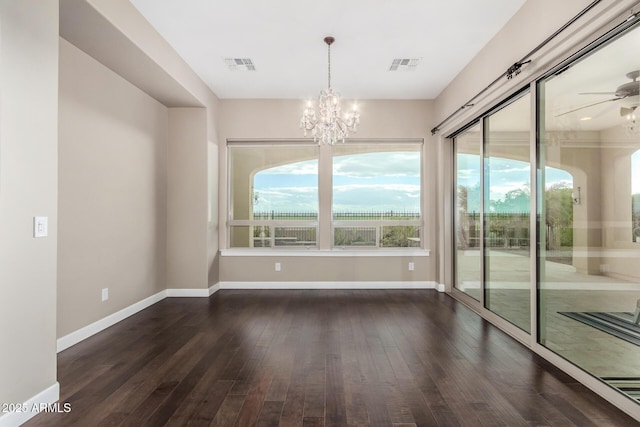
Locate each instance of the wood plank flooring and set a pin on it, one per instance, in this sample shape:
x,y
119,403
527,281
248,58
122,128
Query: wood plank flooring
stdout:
x,y
316,358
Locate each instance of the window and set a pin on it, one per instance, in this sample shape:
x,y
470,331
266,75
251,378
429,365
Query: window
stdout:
x,y
273,195
375,189
376,195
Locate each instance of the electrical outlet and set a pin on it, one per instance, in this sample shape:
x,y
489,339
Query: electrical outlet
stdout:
x,y
411,266
278,266
105,294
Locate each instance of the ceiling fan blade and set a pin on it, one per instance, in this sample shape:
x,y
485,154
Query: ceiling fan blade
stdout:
x,y
597,93
587,106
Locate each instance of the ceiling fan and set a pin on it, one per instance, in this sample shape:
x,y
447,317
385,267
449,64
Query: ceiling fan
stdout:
x,y
623,91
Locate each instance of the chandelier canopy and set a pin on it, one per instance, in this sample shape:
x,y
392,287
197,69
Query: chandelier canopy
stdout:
x,y
330,127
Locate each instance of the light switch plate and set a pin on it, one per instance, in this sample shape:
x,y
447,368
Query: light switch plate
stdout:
x,y
40,226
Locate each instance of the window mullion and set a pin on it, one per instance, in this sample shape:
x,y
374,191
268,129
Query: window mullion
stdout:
x,y
325,186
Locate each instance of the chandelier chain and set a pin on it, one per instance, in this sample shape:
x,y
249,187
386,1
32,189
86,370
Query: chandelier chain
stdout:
x,y
329,65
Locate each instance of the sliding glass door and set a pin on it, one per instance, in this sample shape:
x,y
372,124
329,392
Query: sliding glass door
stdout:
x,y
580,263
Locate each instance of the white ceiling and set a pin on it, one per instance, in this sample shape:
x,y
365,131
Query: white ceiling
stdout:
x,y
286,44
602,71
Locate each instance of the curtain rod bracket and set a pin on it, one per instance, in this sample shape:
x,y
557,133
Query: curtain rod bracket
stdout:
x,y
515,69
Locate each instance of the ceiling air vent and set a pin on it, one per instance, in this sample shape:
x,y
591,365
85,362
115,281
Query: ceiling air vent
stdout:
x,y
240,64
404,64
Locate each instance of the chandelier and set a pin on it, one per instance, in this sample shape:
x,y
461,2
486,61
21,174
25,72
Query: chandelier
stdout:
x,y
330,127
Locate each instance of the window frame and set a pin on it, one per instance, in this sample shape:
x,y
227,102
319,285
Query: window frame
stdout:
x,y
324,224
272,224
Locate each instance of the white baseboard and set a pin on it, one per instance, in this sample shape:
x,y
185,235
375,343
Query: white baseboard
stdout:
x,y
440,287
102,324
182,293
327,285
32,407
214,288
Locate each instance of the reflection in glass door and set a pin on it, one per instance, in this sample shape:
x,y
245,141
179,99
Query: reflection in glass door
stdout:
x,y
467,260
507,183
589,260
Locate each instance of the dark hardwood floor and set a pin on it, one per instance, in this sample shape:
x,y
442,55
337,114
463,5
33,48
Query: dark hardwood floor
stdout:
x,y
313,358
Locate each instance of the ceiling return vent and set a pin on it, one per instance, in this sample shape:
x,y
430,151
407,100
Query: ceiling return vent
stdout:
x,y
404,64
240,64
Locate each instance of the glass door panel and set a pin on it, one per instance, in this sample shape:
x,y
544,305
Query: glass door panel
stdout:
x,y
468,263
589,259
507,183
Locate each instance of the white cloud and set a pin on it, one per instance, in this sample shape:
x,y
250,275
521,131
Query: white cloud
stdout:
x,y
309,167
387,187
559,184
498,191
373,165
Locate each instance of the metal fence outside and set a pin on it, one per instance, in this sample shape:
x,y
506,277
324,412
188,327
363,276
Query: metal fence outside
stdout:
x,y
344,235
509,230
337,216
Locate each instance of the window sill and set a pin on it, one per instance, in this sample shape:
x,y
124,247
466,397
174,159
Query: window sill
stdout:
x,y
313,252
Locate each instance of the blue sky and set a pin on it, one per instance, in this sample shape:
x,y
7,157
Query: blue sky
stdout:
x,y
363,182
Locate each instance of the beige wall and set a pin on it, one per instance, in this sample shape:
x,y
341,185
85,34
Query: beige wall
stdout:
x,y
619,251
187,199
28,188
579,153
278,119
146,60
112,192
324,269
213,261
